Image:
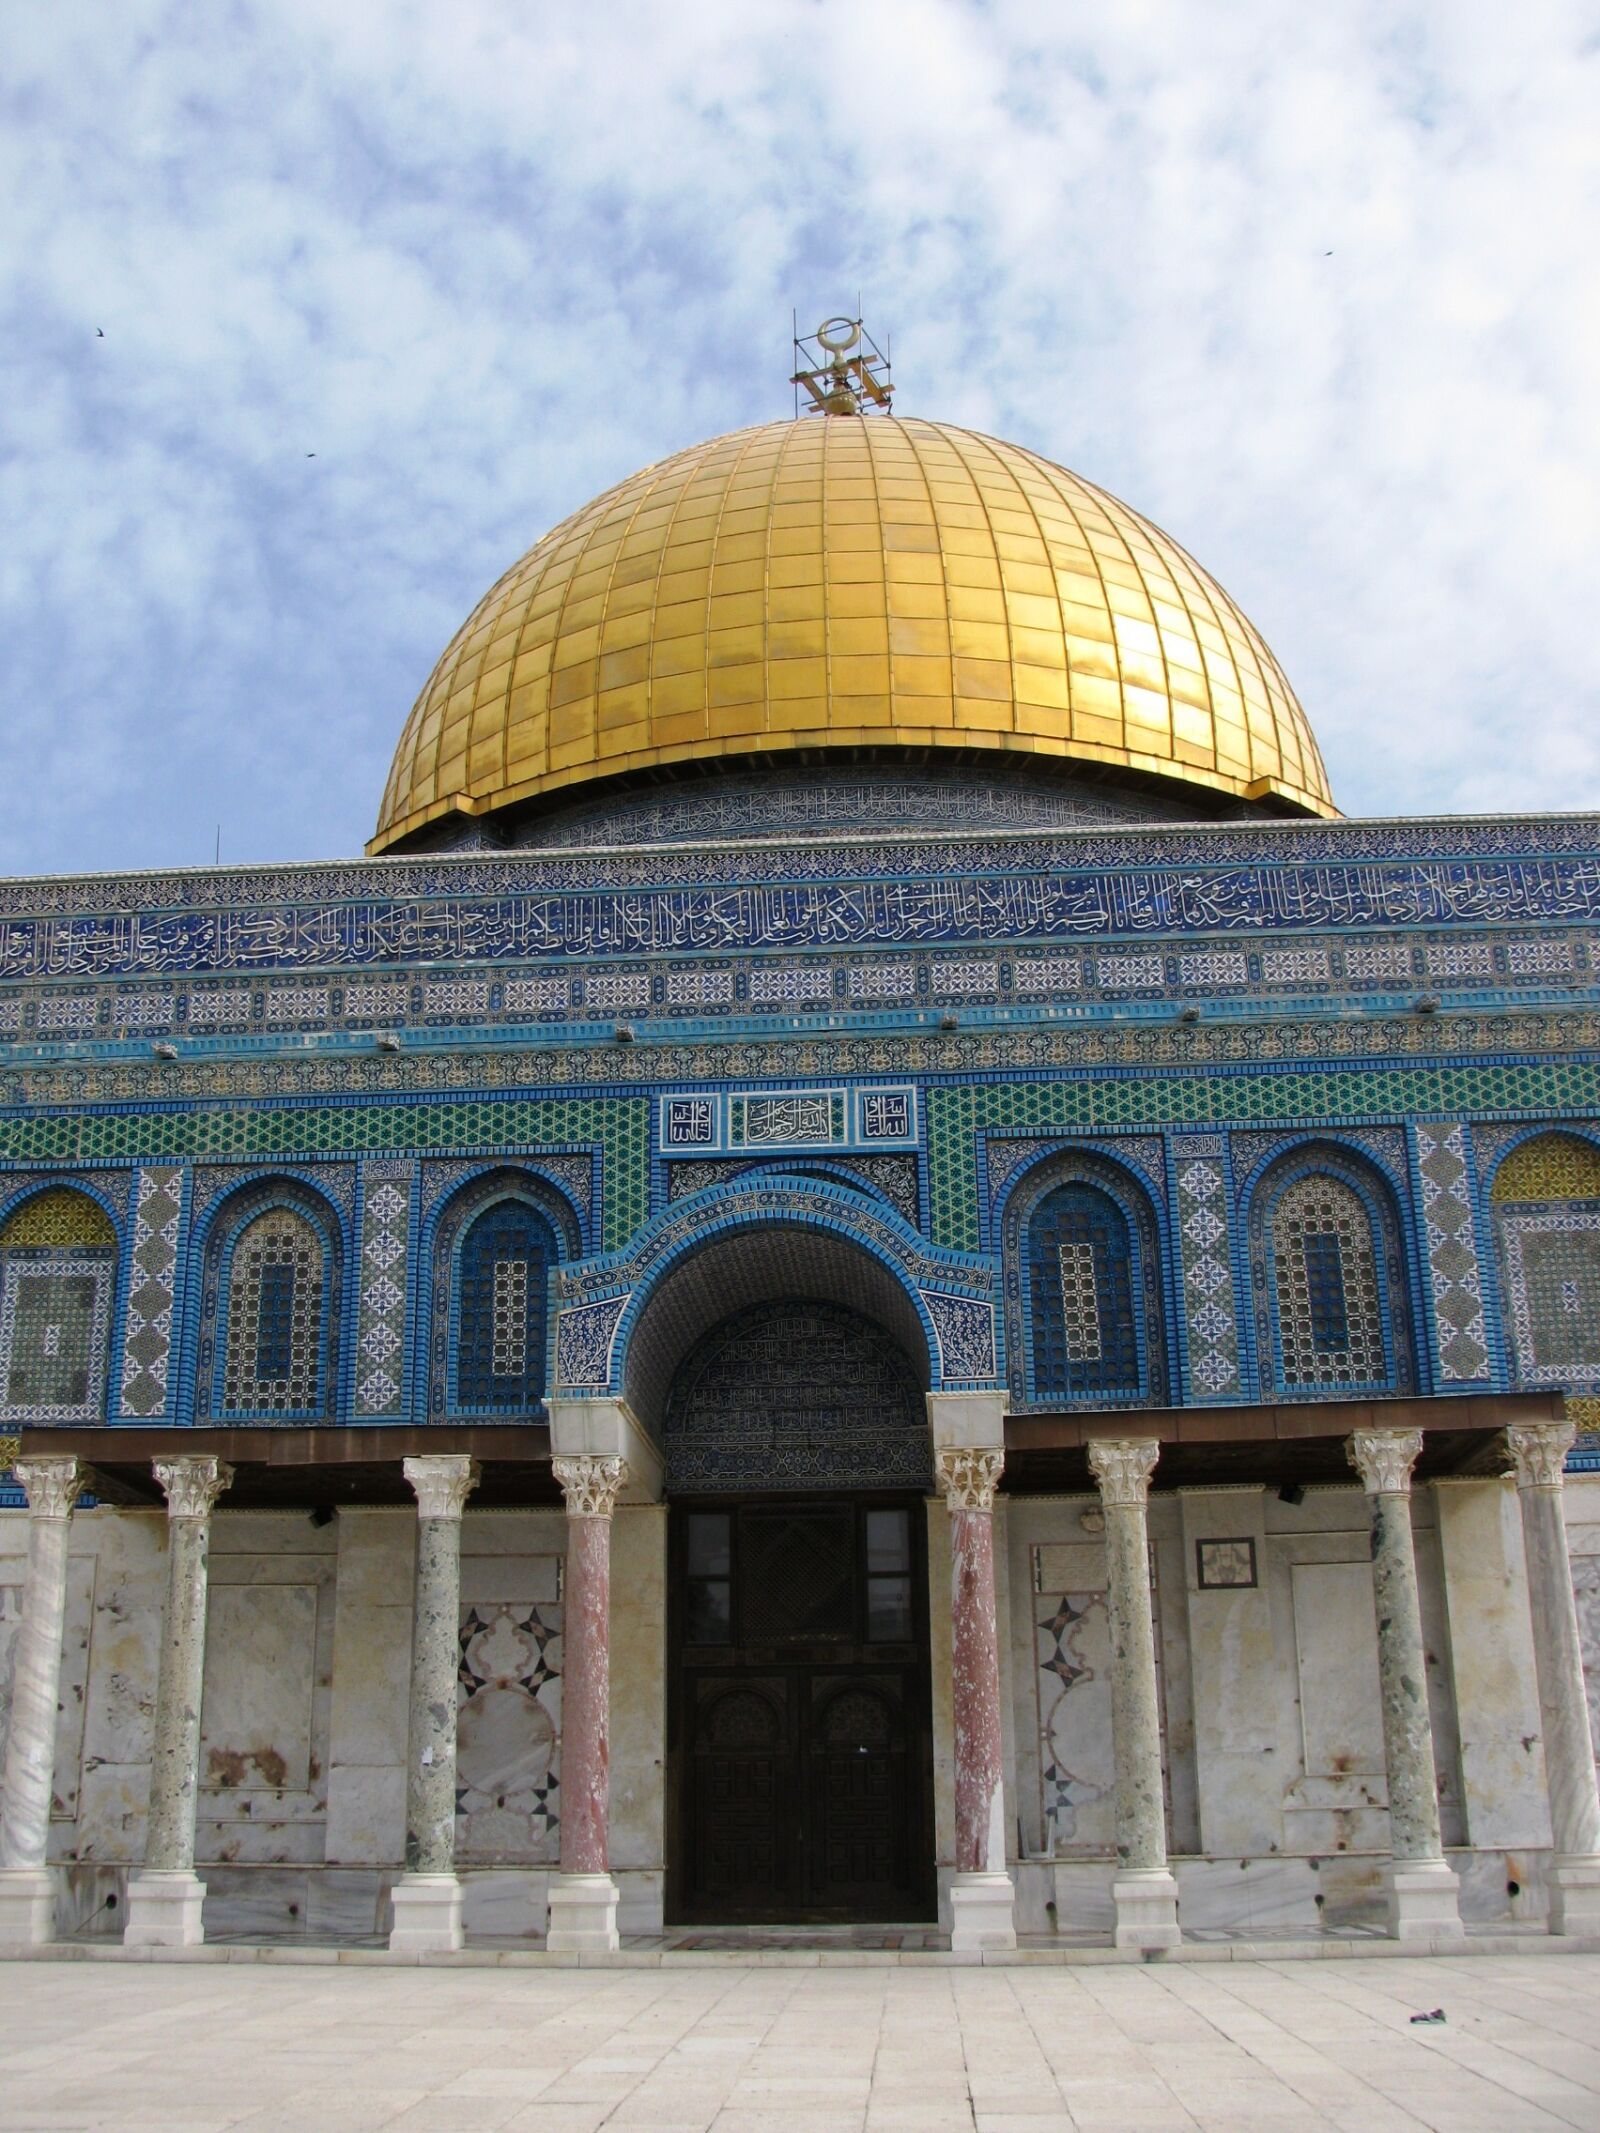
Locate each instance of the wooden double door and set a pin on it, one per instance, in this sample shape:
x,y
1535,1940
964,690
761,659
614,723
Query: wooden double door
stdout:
x,y
799,1728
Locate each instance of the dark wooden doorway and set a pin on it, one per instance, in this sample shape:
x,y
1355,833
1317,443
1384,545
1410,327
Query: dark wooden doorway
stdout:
x,y
800,1757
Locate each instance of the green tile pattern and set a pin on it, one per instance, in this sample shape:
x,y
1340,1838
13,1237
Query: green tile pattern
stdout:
x,y
1107,1104
621,1126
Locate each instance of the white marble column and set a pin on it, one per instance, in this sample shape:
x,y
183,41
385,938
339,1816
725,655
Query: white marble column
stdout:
x,y
165,1895
1539,1453
27,1885
1424,1896
982,1897
583,1896
427,1897
1143,1889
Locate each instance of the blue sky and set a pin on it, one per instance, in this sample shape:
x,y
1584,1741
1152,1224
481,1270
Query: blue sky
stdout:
x,y
1316,289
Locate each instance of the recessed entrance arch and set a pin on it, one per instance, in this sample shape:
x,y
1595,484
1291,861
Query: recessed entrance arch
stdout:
x,y
785,1369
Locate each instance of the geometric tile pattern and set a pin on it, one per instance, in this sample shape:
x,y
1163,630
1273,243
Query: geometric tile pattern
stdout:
x,y
620,1124
796,1396
1550,1166
59,1220
1100,1103
1329,1316
1455,1281
1209,1305
386,1195
55,1309
147,1327
1551,1264
273,1356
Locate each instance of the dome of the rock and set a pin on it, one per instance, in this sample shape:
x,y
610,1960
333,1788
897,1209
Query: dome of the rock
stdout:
x,y
808,588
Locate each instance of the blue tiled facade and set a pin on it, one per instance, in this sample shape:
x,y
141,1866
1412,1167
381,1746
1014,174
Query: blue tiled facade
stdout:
x,y
1166,1022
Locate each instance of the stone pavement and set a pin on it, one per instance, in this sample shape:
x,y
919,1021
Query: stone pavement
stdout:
x,y
1240,2047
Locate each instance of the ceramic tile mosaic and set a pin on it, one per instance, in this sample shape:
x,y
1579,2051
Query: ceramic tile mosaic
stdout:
x,y
1209,1304
1460,1336
387,1189
148,1326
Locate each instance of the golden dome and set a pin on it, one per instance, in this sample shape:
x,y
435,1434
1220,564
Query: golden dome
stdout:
x,y
849,583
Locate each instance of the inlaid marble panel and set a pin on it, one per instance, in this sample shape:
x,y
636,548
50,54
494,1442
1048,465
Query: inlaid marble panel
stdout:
x,y
508,1738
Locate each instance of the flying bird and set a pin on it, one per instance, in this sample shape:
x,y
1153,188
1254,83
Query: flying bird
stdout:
x,y
100,332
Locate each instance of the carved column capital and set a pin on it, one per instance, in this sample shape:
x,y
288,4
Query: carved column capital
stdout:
x,y
442,1481
1122,1467
192,1484
51,1485
1538,1452
968,1478
591,1483
1384,1459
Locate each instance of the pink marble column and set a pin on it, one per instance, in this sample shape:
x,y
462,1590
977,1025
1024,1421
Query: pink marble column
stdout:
x,y
583,1897
981,1896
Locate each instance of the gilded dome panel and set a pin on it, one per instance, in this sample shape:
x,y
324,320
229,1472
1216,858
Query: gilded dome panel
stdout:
x,y
849,583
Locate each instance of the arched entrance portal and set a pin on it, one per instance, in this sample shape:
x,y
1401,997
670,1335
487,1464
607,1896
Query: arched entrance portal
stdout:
x,y
799,1781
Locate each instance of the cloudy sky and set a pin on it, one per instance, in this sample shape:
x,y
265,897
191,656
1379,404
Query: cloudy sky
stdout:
x,y
1314,287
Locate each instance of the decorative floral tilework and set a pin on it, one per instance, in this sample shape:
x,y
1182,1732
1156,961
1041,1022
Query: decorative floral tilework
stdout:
x,y
1208,1289
147,1329
273,1358
882,981
381,1300
1453,1275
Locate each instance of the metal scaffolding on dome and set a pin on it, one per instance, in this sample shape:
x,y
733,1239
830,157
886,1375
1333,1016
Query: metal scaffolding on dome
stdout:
x,y
842,370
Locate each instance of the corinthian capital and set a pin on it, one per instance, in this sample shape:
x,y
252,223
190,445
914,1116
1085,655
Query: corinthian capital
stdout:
x,y
193,1484
1122,1467
51,1485
1538,1452
442,1481
1384,1459
969,1478
590,1483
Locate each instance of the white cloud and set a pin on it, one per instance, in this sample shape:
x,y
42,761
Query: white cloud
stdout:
x,y
483,260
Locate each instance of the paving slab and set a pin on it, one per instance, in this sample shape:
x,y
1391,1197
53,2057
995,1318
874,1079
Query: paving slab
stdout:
x,y
1237,2047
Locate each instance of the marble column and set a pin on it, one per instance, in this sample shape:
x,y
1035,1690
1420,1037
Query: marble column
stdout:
x,y
27,1885
1143,1889
165,1895
1424,1896
583,1896
1539,1455
982,1898
427,1897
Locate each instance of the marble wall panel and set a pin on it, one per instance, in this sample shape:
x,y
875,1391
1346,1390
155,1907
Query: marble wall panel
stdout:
x,y
130,1549
639,1690
268,1690
68,1778
1491,1663
1340,1801
366,1822
1233,1660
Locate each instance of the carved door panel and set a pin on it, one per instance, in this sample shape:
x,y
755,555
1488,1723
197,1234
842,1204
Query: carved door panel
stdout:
x,y
857,1766
741,1789
800,1737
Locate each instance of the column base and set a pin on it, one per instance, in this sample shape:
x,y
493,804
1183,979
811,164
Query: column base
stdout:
x,y
583,1915
27,1906
427,1914
1574,1885
164,1910
1424,1901
1146,1900
983,1913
